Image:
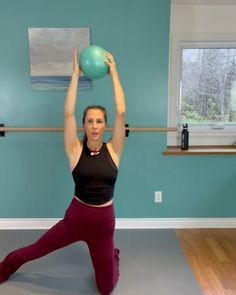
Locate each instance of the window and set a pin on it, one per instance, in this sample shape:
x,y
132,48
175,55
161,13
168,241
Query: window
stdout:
x,y
203,89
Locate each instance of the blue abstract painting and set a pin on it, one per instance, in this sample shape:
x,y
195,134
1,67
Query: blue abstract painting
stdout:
x,y
51,57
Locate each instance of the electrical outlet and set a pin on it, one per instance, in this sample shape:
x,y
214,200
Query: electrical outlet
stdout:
x,y
158,197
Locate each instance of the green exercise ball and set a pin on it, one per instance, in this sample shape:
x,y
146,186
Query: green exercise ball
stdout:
x,y
92,62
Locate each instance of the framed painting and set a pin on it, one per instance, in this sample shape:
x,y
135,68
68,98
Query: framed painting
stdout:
x,y
51,57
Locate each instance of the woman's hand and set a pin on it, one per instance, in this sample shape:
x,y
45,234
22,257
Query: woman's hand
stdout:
x,y
111,63
76,69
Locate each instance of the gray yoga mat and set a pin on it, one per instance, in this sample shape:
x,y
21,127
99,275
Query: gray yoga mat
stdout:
x,y
152,263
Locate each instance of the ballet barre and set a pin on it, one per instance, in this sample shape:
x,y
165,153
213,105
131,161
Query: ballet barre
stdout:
x,y
128,129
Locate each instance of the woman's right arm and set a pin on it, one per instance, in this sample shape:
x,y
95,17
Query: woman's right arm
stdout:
x,y
73,146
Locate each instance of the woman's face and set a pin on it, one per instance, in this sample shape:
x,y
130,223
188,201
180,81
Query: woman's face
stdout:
x,y
94,124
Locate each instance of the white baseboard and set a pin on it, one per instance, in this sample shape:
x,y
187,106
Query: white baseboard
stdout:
x,y
175,223
126,223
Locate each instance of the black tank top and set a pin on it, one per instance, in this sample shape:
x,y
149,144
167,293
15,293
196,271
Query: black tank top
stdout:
x,y
95,176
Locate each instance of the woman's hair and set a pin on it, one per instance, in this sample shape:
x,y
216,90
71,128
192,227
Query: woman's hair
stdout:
x,y
93,107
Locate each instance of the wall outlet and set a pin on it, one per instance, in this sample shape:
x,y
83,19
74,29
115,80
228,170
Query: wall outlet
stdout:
x,y
158,197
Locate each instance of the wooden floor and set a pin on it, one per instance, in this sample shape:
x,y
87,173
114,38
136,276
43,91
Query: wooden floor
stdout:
x,y
212,255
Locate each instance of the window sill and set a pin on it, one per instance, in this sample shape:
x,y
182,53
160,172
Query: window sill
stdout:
x,y
201,150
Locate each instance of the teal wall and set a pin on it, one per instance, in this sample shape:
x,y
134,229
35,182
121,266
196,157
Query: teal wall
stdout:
x,y
35,180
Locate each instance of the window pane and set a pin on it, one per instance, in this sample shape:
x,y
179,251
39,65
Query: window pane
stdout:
x,y
208,88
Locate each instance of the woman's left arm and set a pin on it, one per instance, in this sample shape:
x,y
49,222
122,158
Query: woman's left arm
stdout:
x,y
118,135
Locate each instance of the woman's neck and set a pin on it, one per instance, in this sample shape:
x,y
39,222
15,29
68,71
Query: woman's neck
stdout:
x,y
96,146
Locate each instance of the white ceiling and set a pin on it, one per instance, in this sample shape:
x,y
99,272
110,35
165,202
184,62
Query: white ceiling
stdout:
x,y
204,2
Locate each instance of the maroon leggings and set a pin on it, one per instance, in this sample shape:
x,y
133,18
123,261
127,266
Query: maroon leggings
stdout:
x,y
94,225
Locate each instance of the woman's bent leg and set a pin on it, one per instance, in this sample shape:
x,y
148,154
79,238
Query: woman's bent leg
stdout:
x,y
106,265
104,256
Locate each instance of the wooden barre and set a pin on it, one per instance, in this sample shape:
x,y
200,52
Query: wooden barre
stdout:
x,y
60,129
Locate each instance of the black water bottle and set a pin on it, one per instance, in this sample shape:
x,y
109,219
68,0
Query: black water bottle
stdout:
x,y
184,137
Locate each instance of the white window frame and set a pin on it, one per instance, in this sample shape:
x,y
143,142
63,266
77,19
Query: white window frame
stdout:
x,y
205,135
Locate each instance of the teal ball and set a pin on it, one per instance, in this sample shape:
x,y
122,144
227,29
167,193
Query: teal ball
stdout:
x,y
92,62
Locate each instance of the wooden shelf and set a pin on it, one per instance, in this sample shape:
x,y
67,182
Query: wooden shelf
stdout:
x,y
201,150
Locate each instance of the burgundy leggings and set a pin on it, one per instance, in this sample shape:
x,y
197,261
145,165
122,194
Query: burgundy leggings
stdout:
x,y
94,225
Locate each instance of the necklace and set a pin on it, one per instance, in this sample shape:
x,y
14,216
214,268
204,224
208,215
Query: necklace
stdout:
x,y
96,151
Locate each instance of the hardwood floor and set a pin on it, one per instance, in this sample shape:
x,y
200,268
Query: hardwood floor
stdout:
x,y
212,255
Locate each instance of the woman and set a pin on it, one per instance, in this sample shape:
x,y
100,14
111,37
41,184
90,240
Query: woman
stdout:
x,y
94,166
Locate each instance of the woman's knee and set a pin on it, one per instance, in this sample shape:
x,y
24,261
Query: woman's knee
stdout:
x,y
107,280
107,288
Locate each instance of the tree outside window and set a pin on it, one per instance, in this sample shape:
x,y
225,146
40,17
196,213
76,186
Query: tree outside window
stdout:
x,y
208,86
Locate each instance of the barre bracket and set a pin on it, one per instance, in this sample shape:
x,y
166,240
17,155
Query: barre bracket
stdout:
x,y
2,133
127,130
